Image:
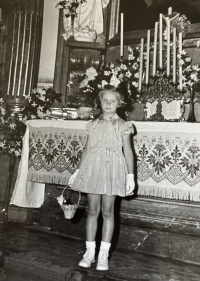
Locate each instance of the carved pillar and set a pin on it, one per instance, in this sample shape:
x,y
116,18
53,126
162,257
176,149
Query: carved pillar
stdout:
x,y
24,29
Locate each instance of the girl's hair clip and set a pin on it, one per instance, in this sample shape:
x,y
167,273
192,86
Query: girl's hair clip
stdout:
x,y
123,102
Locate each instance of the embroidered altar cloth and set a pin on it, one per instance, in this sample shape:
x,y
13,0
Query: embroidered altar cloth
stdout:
x,y
168,159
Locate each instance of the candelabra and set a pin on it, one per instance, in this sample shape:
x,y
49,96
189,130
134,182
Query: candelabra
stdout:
x,y
160,88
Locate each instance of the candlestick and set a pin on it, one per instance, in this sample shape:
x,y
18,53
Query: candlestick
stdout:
x,y
180,66
174,55
148,57
169,10
141,64
168,46
122,36
160,40
155,48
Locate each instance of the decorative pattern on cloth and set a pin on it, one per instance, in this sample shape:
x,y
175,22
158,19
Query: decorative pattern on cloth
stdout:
x,y
168,162
54,153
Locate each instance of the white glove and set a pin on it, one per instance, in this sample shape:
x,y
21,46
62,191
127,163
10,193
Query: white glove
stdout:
x,y
130,184
72,178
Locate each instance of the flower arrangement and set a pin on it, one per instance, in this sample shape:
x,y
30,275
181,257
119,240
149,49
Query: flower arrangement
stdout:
x,y
12,125
191,73
69,6
125,76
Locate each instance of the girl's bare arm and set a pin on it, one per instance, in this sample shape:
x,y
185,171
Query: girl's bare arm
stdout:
x,y
128,153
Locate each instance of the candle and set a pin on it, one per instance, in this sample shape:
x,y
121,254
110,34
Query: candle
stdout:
x,y
0,15
180,66
169,10
174,55
141,64
168,46
160,40
148,57
155,48
121,36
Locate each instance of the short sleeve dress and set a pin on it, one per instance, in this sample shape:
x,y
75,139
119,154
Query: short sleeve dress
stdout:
x,y
104,168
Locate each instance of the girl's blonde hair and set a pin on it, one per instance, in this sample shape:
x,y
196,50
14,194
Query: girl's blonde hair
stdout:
x,y
113,89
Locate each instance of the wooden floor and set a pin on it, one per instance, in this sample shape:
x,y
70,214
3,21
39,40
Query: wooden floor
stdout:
x,y
35,253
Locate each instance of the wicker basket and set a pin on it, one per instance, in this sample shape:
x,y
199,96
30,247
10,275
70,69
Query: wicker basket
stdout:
x,y
69,210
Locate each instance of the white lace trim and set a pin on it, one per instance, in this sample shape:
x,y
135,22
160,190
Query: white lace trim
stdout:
x,y
66,124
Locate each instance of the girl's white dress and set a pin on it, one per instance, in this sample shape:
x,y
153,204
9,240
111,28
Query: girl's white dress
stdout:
x,y
104,170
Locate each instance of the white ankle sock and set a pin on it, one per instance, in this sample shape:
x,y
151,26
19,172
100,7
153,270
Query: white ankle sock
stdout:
x,y
90,244
105,245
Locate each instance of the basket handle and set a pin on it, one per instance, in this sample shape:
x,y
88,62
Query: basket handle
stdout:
x,y
79,196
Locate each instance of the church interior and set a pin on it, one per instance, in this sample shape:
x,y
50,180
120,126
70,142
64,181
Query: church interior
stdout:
x,y
55,56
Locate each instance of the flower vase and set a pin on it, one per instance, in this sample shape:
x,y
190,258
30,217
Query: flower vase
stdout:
x,y
191,117
71,31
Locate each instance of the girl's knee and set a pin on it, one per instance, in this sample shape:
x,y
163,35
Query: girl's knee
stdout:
x,y
107,213
93,212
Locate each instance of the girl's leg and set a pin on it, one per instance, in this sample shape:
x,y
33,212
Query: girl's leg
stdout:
x,y
108,203
94,203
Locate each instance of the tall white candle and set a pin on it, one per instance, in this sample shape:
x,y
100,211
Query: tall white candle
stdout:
x,y
160,40
180,66
155,48
0,15
122,36
148,57
168,46
141,64
174,55
169,10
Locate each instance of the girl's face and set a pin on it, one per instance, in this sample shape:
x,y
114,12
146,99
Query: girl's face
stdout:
x,y
109,102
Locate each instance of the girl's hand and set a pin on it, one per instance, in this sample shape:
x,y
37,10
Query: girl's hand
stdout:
x,y
72,178
130,184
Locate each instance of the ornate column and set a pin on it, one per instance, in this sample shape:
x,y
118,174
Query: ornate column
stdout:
x,y
24,29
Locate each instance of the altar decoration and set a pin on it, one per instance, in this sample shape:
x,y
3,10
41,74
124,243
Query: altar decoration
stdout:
x,y
69,10
12,124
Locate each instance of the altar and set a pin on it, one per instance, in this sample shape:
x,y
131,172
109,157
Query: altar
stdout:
x,y
167,157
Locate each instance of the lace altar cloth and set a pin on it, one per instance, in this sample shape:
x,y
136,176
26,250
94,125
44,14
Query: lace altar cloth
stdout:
x,y
168,159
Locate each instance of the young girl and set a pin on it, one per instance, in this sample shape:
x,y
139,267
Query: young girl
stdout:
x,y
104,172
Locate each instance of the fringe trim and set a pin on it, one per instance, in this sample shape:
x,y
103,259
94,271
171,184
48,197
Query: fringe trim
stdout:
x,y
170,193
48,178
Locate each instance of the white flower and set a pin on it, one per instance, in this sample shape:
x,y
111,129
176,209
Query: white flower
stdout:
x,y
128,74
179,56
131,57
188,59
135,84
135,65
114,81
181,62
12,126
91,73
107,73
137,75
40,108
121,76
194,76
99,86
11,150
195,67
17,153
123,66
1,100
103,83
130,50
18,143
2,144
12,114
112,65
34,104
